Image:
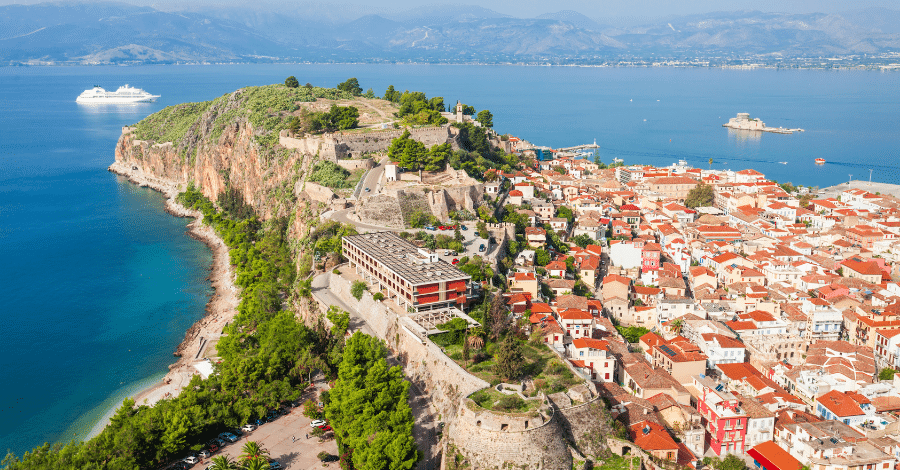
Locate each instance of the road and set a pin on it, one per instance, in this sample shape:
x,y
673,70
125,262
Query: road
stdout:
x,y
321,291
370,180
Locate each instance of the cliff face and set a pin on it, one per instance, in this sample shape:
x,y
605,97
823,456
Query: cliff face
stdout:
x,y
266,181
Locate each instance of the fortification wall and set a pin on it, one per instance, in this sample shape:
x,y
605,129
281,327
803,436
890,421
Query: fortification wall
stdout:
x,y
341,145
491,439
350,165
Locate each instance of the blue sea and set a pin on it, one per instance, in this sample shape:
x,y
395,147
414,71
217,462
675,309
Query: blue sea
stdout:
x,y
100,284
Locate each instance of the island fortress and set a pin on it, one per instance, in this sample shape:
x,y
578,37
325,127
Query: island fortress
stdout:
x,y
745,123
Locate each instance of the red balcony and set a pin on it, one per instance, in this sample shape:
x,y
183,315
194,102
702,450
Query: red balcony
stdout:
x,y
428,289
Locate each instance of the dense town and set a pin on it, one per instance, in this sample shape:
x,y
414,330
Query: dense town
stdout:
x,y
716,313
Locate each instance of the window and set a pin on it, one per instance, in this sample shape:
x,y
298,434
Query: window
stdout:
x,y
581,353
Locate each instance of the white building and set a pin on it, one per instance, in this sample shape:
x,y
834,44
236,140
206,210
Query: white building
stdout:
x,y
721,349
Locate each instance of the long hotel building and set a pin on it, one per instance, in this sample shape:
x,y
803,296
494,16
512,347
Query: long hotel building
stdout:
x,y
414,277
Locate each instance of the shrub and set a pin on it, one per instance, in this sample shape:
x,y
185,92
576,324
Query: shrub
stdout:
x,y
337,271
323,455
378,296
510,403
357,289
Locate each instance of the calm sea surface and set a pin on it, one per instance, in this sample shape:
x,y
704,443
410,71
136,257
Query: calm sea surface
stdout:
x,y
99,284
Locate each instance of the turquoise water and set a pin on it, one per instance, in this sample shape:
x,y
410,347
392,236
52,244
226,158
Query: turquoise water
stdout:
x,y
100,284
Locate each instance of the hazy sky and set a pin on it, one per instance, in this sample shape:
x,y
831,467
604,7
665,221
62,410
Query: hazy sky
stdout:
x,y
531,8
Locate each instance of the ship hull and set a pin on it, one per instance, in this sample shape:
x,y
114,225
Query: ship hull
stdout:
x,y
117,100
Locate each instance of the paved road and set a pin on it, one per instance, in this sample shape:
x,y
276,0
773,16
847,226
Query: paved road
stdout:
x,y
370,180
321,291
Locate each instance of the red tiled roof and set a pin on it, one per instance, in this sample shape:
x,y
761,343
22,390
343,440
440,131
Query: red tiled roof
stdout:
x,y
773,457
841,404
656,437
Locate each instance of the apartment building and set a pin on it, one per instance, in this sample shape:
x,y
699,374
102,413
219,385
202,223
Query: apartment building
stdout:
x,y
415,278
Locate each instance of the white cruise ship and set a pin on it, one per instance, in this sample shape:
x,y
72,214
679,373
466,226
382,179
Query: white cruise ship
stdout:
x,y
125,94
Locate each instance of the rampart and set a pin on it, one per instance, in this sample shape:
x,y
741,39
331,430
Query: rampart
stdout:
x,y
345,145
350,165
491,439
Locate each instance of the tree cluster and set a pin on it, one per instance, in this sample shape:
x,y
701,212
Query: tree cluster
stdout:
x,y
351,85
330,174
416,109
368,408
412,154
701,195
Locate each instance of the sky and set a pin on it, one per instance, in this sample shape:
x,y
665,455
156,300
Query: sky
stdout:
x,y
596,9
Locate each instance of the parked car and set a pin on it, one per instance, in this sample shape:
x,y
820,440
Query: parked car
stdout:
x,y
442,227
464,228
248,427
318,422
236,431
227,436
331,458
273,465
367,189
214,447
191,459
205,454
481,248
455,261
325,428
430,227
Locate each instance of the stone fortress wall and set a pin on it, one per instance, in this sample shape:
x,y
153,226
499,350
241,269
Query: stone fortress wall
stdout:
x,y
488,439
339,145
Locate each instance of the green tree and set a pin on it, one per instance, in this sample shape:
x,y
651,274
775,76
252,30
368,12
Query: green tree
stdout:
x,y
391,94
253,450
369,94
510,359
582,240
257,463
351,85
886,374
468,110
291,82
485,118
565,213
701,195
357,289
541,257
340,320
223,462
311,410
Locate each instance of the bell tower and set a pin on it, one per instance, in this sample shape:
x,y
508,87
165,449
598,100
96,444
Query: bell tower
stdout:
x,y
459,111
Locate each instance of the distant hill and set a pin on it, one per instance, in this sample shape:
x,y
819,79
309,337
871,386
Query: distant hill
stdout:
x,y
120,33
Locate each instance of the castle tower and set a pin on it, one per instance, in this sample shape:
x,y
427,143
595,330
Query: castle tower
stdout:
x,y
459,111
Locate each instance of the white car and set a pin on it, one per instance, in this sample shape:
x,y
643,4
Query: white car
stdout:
x,y
317,422
249,428
191,459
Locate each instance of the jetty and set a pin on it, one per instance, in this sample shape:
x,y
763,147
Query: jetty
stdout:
x,y
744,122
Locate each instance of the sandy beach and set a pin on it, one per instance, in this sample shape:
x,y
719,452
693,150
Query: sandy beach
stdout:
x,y
200,340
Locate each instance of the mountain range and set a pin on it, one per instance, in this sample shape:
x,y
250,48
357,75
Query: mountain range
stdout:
x,y
114,33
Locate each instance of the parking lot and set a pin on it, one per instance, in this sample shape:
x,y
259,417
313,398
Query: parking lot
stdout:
x,y
471,242
285,439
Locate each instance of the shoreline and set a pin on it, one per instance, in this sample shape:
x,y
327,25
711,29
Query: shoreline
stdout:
x,y
220,309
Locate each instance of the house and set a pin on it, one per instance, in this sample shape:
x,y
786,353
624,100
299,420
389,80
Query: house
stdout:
x,y
556,268
680,358
725,420
560,286
590,270
847,407
536,236
575,322
769,456
676,187
654,439
596,356
858,268
721,349
524,282
643,381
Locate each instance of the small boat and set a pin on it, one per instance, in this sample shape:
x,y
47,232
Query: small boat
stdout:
x,y
618,160
820,161
783,163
